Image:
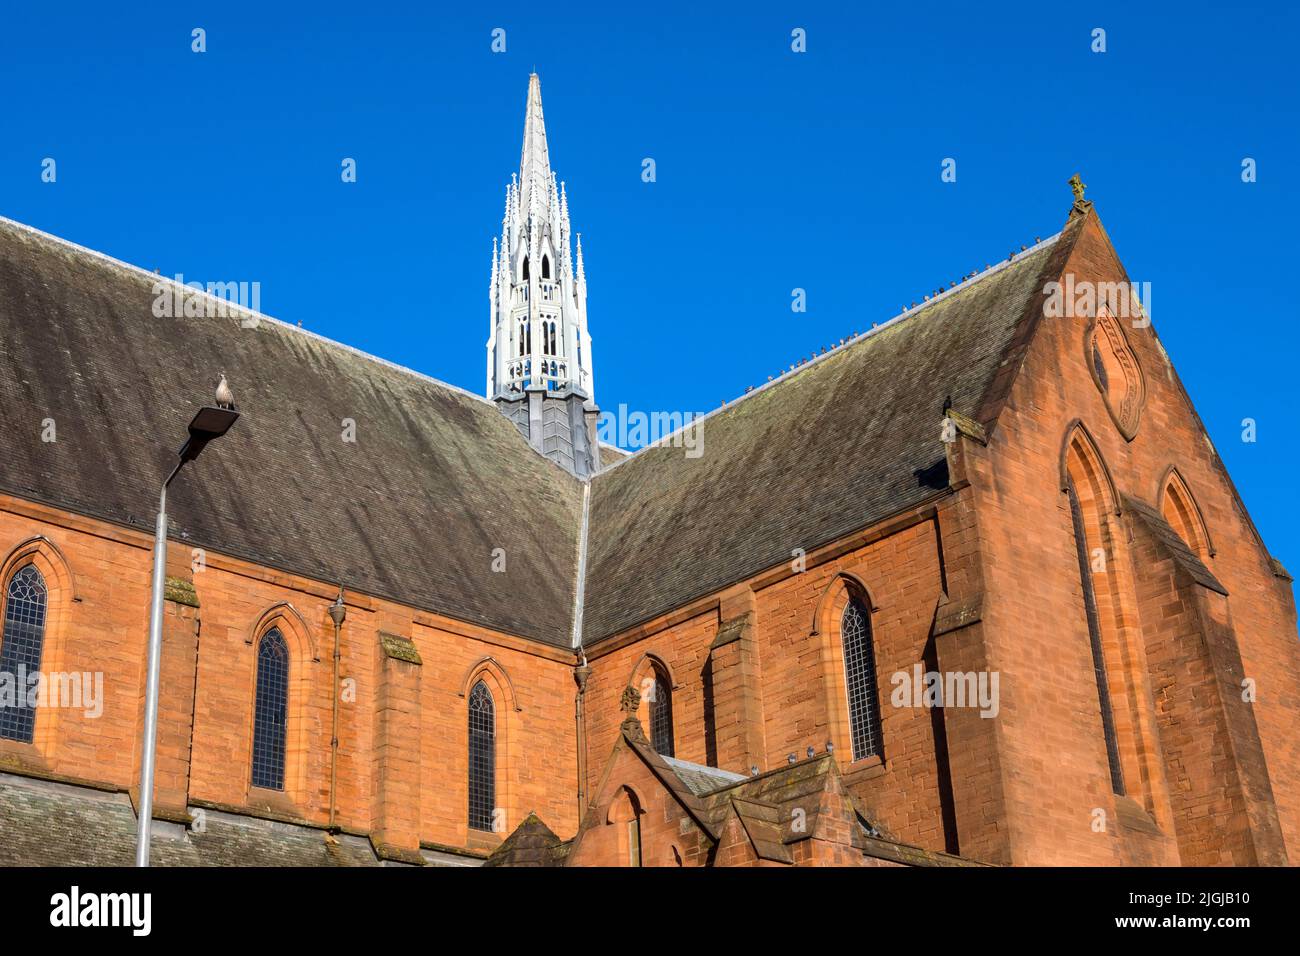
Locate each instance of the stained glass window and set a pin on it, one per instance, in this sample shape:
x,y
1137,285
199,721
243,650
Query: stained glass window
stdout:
x,y
270,711
20,654
661,715
860,679
482,757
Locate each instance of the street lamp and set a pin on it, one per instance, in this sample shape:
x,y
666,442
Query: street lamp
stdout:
x,y
211,422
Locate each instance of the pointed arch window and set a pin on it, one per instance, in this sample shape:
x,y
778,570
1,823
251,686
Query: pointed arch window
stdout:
x,y
546,267
525,268
23,636
860,680
270,710
482,757
625,812
1094,636
661,714
1184,515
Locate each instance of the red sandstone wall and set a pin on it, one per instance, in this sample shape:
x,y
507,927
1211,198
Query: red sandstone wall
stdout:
x,y
1055,761
1035,774
667,833
99,622
1028,783
901,572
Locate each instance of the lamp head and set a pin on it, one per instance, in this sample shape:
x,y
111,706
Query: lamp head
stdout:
x,y
208,423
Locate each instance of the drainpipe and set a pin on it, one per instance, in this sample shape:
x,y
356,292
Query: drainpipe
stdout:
x,y
338,613
580,674
582,671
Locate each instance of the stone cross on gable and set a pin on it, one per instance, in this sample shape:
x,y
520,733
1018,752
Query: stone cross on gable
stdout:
x,y
1078,185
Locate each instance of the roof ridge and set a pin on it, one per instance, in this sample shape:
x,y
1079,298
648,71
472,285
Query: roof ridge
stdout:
x,y
785,768
855,340
156,277
691,765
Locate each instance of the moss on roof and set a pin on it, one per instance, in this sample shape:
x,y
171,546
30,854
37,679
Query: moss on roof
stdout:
x,y
412,510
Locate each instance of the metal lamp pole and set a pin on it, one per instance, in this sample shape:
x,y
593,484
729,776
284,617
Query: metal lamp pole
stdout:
x,y
209,423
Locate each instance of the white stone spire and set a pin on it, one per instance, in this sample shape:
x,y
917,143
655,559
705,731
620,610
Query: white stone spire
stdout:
x,y
538,336
534,161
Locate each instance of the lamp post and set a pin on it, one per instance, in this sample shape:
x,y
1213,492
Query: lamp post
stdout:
x,y
210,422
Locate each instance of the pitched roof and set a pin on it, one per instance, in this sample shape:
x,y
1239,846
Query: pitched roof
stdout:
x,y
831,448
438,478
776,808
767,805
53,824
532,843
411,510
785,788
701,779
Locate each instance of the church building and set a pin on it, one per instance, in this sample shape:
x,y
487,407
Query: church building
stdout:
x,y
971,587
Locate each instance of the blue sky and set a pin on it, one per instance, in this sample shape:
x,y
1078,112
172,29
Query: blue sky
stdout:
x,y
775,171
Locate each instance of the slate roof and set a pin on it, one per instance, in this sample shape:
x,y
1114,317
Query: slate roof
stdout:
x,y
438,478
62,825
411,511
532,843
829,449
702,779
611,455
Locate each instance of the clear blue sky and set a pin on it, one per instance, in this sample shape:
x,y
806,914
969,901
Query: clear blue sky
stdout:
x,y
775,171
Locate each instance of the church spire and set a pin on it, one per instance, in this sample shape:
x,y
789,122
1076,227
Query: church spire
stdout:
x,y
534,161
539,348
